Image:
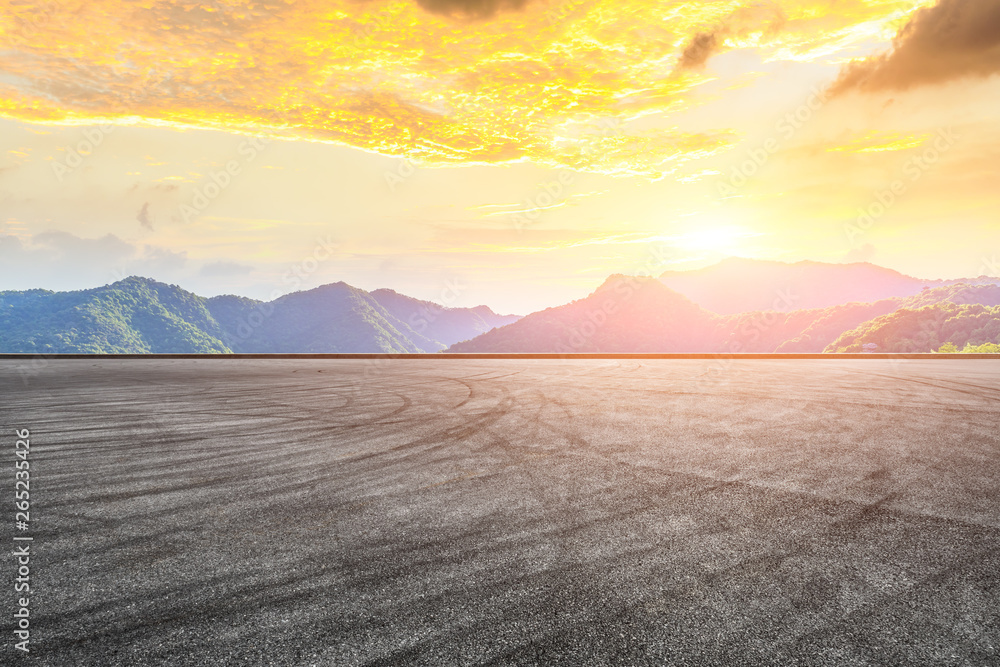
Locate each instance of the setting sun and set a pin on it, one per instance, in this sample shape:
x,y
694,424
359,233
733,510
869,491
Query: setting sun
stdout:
x,y
722,239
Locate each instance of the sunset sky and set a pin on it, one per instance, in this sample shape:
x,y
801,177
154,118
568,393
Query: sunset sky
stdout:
x,y
513,153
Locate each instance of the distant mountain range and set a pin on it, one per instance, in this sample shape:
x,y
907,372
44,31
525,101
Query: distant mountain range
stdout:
x,y
139,315
797,310
625,314
628,314
960,315
738,285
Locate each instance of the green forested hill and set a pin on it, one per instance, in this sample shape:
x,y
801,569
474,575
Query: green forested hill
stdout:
x,y
139,315
924,329
986,295
447,325
808,330
625,314
828,323
331,318
135,315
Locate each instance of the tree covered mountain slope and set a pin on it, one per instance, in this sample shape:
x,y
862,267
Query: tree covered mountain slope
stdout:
x,y
924,329
139,315
439,323
983,294
641,315
826,325
625,314
135,315
800,331
331,318
962,314
633,315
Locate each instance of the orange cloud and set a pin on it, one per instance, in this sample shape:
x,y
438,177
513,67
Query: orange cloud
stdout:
x,y
472,8
554,82
761,17
880,142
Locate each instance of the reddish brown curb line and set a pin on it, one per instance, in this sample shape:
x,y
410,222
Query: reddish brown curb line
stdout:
x,y
506,355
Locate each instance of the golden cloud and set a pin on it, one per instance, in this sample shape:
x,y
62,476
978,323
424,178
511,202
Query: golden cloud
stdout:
x,y
881,142
552,82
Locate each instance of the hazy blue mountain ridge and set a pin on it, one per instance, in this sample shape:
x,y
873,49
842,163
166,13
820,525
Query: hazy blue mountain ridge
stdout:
x,y
140,315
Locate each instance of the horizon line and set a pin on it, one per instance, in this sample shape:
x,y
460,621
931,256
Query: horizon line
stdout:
x,y
507,355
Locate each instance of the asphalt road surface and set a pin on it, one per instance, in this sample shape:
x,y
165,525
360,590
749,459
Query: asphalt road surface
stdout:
x,y
506,512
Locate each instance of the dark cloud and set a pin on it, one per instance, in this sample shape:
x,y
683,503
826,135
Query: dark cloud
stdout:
x,y
701,48
764,17
951,40
471,8
143,217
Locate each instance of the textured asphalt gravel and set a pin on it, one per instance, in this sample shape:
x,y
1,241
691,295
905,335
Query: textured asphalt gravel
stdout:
x,y
507,512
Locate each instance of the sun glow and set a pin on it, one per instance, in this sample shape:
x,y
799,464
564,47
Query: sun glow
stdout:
x,y
715,238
